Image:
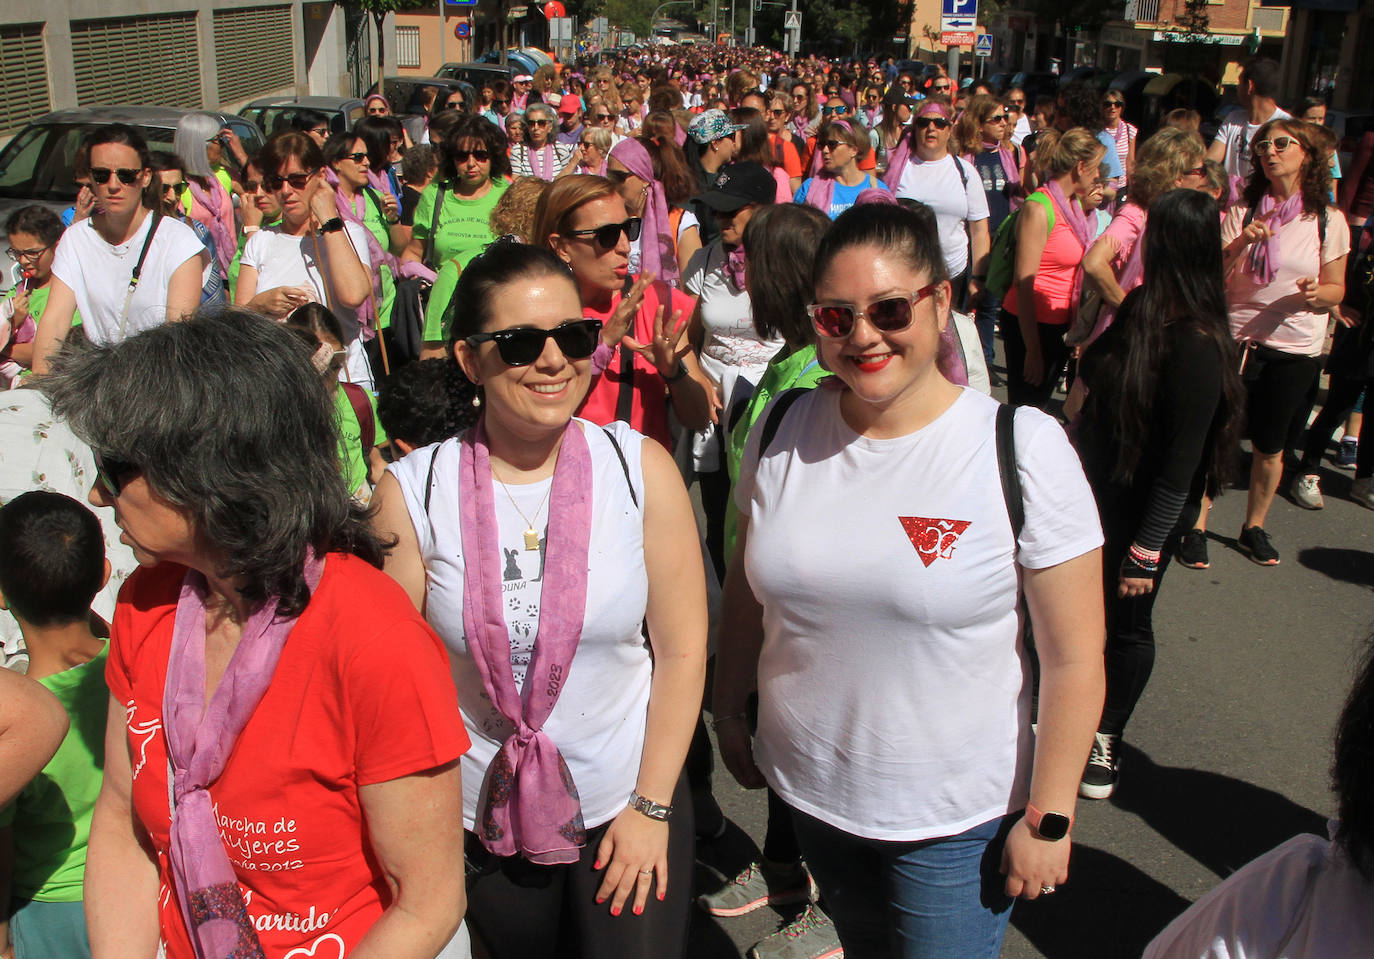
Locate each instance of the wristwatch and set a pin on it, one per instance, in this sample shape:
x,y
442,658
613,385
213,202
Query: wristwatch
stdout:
x,y
649,808
677,374
332,226
1048,825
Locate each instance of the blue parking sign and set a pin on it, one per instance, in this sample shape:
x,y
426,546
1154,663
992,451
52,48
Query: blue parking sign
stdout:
x,y
959,8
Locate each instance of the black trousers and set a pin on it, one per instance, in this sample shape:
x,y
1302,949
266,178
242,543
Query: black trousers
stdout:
x,y
1052,348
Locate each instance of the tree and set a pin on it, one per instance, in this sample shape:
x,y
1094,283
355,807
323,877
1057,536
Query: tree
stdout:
x,y
379,9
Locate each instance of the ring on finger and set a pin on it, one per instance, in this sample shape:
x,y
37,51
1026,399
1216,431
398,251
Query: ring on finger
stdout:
x,y
650,872
1046,890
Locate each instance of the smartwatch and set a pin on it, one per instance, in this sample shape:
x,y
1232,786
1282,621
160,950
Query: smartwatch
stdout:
x,y
1048,825
332,226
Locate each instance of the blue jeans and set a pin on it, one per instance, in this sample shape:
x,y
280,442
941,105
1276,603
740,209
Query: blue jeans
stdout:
x,y
48,930
913,900
985,318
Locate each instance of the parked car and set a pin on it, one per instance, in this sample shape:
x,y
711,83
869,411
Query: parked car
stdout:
x,y
408,96
477,73
1097,77
37,165
274,114
528,59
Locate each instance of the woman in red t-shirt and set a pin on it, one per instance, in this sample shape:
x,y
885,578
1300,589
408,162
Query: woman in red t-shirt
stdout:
x,y
583,220
281,770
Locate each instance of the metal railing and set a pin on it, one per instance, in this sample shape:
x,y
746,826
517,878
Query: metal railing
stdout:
x,y
1141,11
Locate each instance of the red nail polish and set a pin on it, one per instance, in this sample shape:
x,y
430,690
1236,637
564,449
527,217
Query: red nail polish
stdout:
x,y
615,912
600,900
660,897
639,910
597,865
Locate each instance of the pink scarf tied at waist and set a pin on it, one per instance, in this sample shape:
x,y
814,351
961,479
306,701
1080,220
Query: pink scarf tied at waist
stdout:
x,y
216,202
200,738
656,242
530,804
1265,255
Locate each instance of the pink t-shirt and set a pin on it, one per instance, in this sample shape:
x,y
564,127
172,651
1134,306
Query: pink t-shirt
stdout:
x,y
1059,262
1126,230
1276,314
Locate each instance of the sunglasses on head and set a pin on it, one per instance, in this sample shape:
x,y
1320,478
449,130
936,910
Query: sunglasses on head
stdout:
x,y
576,339
113,473
461,156
298,181
886,316
940,122
127,177
1278,144
608,234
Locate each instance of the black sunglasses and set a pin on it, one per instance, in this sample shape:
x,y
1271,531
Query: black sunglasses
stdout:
x,y
113,473
298,181
886,316
355,157
617,176
127,177
576,339
940,123
608,235
461,156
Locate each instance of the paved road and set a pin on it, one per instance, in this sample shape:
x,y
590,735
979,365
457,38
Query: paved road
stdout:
x,y
1227,755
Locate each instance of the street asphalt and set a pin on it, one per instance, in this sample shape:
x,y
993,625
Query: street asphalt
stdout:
x,y
1228,753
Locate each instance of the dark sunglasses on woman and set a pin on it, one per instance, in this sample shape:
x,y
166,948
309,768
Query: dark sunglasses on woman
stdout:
x,y
886,316
940,123
298,181
113,473
608,235
127,177
461,156
576,339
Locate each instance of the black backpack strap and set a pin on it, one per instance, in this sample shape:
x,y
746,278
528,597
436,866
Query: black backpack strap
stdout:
x,y
774,420
429,477
433,226
362,410
625,399
620,455
1006,467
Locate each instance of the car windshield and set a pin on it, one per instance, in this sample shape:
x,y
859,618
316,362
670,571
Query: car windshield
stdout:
x,y
38,164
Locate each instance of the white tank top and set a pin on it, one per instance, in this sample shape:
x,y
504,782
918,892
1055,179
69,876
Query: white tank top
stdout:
x,y
599,719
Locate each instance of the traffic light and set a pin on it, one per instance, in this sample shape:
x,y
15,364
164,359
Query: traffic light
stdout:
x,y
758,6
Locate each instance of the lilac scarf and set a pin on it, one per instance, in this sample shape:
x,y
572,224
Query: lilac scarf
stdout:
x,y
530,804
214,201
1082,228
200,739
735,267
656,242
1132,275
1265,256
822,189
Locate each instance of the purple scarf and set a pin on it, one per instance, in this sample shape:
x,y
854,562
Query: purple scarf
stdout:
x,y
735,267
1265,256
1132,274
200,739
1082,228
530,804
822,189
656,242
214,202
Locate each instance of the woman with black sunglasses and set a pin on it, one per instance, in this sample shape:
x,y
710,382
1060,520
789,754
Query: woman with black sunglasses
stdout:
x,y
126,267
645,361
474,171
538,544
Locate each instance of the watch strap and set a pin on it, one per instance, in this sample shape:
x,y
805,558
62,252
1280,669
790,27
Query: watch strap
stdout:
x,y
1034,815
647,807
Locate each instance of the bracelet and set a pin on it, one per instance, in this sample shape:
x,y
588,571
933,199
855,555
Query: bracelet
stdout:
x,y
1132,568
647,807
250,230
677,374
726,719
1142,555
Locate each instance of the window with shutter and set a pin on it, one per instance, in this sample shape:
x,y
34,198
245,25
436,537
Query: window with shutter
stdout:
x,y
254,53
23,75
407,46
152,60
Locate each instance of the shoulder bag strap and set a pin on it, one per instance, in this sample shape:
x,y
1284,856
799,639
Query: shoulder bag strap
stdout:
x,y
624,466
780,406
428,255
1006,466
362,409
138,271
625,399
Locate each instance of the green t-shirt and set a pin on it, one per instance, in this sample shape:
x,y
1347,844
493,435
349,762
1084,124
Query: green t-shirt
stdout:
x,y
222,175
795,370
439,310
38,302
375,222
351,452
51,816
464,225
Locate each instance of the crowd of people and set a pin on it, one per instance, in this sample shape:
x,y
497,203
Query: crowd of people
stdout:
x,y
334,708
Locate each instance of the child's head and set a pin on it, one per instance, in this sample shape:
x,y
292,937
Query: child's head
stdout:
x,y
424,403
52,558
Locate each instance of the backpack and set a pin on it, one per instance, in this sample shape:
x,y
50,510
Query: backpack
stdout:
x,y
1002,256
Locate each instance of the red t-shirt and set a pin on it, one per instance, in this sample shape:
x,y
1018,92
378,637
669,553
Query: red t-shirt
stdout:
x,y
649,409
785,152
361,695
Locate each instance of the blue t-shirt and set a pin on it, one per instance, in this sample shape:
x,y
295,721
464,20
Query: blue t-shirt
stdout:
x,y
1112,159
989,166
842,197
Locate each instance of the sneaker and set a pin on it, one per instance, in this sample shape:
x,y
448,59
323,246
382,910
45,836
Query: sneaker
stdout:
x,y
810,936
1345,454
1255,543
1307,491
1103,769
758,886
1363,492
1192,550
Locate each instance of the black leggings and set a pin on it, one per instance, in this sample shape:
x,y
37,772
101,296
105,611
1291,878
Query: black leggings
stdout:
x,y
520,910
1052,348
1340,400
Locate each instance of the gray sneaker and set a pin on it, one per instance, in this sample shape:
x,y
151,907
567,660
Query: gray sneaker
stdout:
x,y
1362,492
810,936
757,886
1307,491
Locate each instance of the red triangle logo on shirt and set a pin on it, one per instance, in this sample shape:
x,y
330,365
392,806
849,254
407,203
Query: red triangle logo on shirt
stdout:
x,y
933,538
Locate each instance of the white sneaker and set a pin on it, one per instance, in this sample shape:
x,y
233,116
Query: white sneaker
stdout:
x,y
1363,492
1307,491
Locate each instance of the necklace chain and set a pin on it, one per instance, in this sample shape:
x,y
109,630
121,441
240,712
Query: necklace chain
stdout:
x,y
531,534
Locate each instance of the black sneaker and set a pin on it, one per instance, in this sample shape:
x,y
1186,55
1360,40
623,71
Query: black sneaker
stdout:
x,y
1103,769
1255,543
1192,550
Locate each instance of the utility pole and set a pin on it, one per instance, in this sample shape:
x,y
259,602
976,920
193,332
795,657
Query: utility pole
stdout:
x,y
443,31
715,21
794,36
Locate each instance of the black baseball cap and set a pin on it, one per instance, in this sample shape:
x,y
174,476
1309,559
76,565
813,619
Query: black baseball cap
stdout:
x,y
739,184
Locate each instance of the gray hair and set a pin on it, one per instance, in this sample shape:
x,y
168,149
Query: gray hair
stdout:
x,y
600,137
227,419
194,130
549,114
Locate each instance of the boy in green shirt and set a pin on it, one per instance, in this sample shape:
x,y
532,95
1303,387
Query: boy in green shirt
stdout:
x,y
52,563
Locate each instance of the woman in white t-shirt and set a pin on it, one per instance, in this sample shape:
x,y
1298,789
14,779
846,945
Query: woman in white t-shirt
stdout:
x,y
311,255
872,600
579,828
1285,260
97,258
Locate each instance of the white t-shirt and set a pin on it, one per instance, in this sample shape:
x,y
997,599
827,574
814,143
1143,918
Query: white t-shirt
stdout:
x,y
284,260
99,273
599,719
936,184
1022,129
1301,900
1276,314
894,689
1236,132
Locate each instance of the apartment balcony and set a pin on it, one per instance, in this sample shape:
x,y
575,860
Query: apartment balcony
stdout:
x,y
1141,11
